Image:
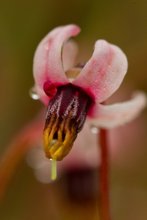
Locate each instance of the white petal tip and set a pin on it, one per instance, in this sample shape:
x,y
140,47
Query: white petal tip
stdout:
x,y
110,116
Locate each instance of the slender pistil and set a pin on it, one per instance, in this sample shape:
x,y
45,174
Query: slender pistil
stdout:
x,y
53,169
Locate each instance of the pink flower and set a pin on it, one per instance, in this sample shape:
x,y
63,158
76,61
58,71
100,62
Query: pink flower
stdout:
x,y
70,102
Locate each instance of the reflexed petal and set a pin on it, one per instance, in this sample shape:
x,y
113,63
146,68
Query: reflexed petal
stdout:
x,y
70,50
48,64
109,116
104,72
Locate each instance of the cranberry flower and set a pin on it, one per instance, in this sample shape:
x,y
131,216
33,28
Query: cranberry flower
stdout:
x,y
70,101
72,94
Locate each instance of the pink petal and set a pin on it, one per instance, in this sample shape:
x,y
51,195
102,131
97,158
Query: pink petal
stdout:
x,y
48,64
109,116
104,72
70,51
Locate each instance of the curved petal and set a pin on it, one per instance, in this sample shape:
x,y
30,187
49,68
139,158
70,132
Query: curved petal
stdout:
x,y
104,72
109,116
70,51
48,64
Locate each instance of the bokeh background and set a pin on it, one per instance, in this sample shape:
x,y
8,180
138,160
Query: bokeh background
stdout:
x,y
22,26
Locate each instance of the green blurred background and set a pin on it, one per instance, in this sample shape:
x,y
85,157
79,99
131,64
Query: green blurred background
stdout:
x,y
22,25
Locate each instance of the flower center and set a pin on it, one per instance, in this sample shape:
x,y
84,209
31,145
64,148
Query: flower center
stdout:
x,y
65,117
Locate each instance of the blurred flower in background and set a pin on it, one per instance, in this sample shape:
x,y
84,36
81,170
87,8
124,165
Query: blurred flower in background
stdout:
x,y
22,26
